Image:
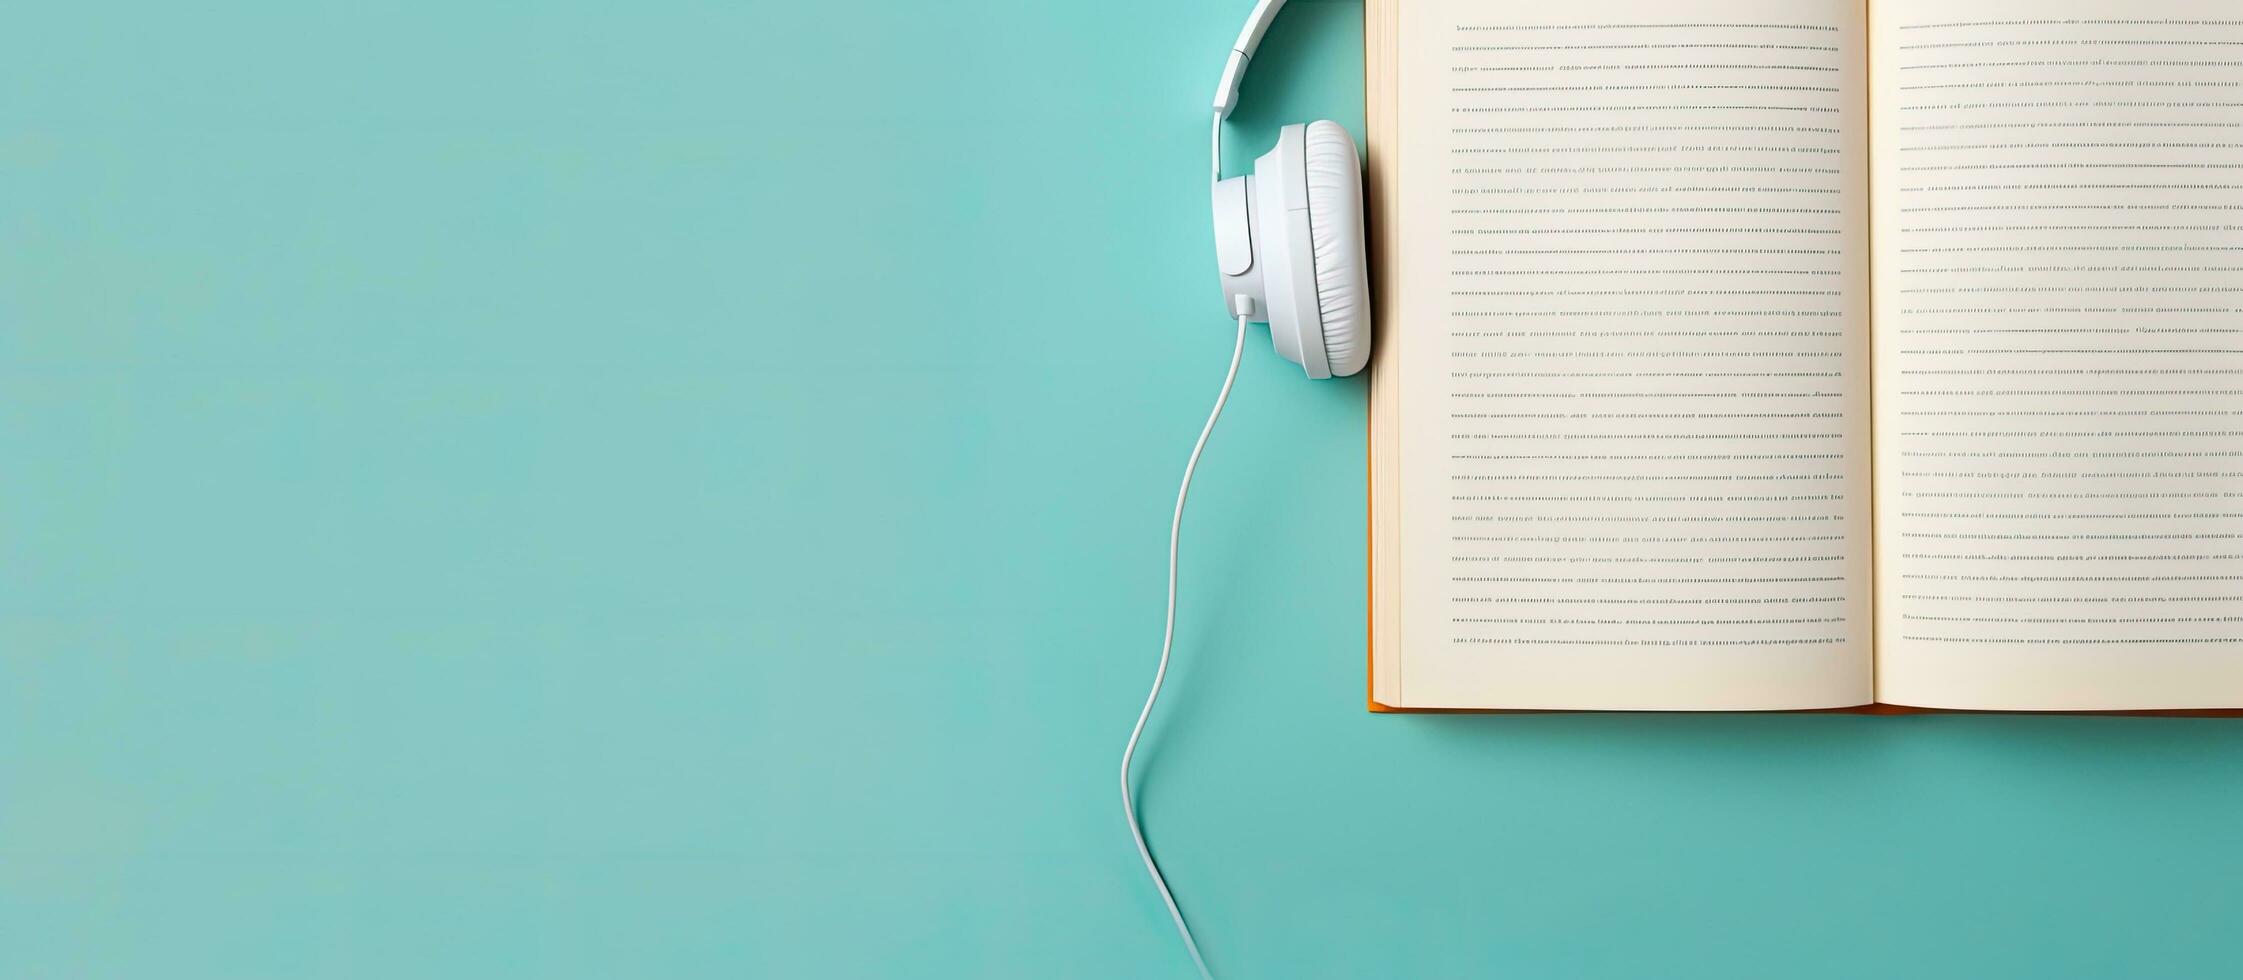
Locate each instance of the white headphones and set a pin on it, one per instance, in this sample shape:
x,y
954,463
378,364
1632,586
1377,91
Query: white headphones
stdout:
x,y
1289,245
1289,238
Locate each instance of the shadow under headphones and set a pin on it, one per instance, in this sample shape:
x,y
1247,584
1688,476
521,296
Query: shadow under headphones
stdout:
x,y
1289,237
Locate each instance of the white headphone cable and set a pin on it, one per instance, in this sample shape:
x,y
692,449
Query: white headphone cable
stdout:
x,y
1167,641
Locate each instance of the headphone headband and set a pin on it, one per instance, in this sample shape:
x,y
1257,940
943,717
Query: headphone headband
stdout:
x,y
1234,69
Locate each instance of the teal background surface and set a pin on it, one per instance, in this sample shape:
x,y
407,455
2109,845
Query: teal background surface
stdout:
x,y
679,490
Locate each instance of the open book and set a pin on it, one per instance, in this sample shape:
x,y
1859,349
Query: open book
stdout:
x,y
1795,354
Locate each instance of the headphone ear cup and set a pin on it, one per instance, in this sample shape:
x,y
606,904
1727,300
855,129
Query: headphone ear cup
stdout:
x,y
1335,223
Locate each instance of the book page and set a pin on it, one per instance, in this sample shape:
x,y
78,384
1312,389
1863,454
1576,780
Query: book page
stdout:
x,y
1630,340
2059,344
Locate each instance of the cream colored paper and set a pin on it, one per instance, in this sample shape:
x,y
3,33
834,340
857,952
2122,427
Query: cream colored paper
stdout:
x,y
1630,345
2059,342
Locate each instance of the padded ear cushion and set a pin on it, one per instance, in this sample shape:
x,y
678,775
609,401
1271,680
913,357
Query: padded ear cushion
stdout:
x,y
1335,229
